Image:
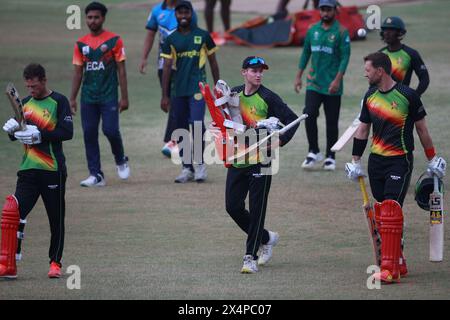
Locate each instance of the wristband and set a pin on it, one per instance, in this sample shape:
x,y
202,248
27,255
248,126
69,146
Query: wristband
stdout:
x,y
358,147
430,153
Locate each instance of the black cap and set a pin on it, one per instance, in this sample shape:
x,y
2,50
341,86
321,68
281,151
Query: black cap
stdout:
x,y
254,62
184,4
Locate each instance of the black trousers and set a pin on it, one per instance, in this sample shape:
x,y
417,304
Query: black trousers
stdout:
x,y
240,182
390,176
332,107
51,186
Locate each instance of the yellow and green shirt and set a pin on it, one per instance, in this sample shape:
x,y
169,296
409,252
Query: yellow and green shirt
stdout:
x,y
52,116
392,114
189,53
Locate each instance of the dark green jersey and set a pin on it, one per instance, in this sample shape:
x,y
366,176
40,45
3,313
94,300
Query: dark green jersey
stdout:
x,y
99,56
52,116
329,51
189,53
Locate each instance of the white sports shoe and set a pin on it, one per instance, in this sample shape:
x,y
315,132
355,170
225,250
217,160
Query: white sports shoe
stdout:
x,y
93,181
250,265
123,170
200,172
266,249
185,176
329,164
312,159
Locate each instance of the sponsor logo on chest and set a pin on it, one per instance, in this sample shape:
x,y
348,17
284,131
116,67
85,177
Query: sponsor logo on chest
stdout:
x,y
94,66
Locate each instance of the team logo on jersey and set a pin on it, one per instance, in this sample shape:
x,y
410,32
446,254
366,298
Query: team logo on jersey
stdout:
x,y
394,105
46,113
316,35
253,110
104,47
332,37
85,50
198,40
399,61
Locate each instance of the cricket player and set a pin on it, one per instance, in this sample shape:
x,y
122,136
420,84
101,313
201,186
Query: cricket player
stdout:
x,y
393,110
186,51
404,59
327,43
256,103
162,20
42,171
99,61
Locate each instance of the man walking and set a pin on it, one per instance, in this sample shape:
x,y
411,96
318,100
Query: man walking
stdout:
x,y
162,20
99,60
188,48
42,172
256,103
327,43
393,110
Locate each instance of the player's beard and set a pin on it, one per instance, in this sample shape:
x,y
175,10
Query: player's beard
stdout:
x,y
327,20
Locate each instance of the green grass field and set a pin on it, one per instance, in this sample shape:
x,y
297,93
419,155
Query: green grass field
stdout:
x,y
148,238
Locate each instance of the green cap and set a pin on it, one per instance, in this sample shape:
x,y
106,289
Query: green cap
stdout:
x,y
393,23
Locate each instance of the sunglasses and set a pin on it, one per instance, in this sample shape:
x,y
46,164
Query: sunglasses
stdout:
x,y
255,61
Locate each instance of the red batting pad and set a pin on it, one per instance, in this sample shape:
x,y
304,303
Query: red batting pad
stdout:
x,y
391,229
9,227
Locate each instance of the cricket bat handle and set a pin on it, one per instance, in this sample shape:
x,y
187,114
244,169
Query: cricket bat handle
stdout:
x,y
362,185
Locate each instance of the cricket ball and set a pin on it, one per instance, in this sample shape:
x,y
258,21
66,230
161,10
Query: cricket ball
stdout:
x,y
362,33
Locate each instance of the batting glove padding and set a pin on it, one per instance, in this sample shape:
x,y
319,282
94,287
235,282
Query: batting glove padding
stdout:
x,y
270,124
11,126
31,135
437,166
354,170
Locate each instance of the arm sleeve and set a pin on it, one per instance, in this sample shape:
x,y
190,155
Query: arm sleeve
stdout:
x,y
422,73
119,51
306,54
166,49
416,108
64,126
210,45
78,58
365,115
152,23
279,109
344,49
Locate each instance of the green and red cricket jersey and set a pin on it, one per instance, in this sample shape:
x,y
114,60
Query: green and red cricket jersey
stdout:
x,y
392,114
99,56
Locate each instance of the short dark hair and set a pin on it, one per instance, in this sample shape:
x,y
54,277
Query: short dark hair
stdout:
x,y
380,60
34,70
96,6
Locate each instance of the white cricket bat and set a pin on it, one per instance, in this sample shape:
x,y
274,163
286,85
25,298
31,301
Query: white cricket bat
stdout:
x,y
346,136
260,142
436,223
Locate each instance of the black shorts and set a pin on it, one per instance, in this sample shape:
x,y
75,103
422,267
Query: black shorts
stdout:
x,y
390,176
